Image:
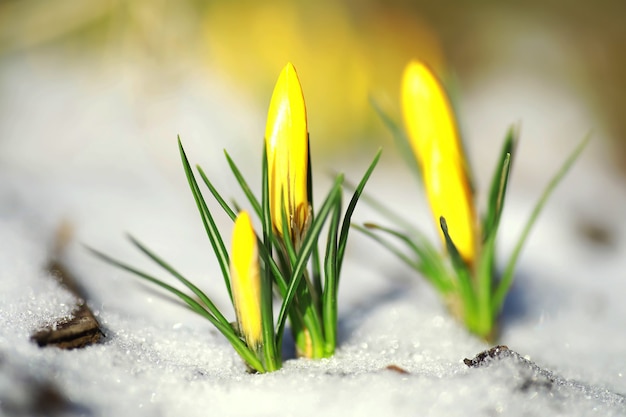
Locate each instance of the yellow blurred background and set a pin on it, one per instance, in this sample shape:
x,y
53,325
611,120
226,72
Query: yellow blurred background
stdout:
x,y
345,51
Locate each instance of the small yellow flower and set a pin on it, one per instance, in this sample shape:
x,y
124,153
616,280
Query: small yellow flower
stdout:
x,y
286,141
435,141
246,280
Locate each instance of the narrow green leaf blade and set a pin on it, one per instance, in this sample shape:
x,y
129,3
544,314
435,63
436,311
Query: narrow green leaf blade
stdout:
x,y
345,226
271,349
207,219
460,267
331,283
305,251
429,261
229,211
244,185
240,347
387,245
507,277
199,293
499,183
316,275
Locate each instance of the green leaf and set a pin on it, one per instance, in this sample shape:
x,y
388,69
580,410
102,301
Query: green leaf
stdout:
x,y
315,257
282,284
306,301
331,282
239,345
485,269
507,277
229,211
430,262
460,267
244,185
305,251
199,293
403,257
207,219
385,211
345,226
272,359
485,318
499,183
277,273
484,273
257,207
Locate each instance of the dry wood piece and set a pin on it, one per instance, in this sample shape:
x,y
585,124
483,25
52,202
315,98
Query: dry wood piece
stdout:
x,y
80,330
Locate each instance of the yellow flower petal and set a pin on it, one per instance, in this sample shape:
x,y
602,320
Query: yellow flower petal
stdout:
x,y
435,141
286,141
246,280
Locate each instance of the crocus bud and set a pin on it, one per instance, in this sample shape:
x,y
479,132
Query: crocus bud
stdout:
x,y
286,141
246,281
434,138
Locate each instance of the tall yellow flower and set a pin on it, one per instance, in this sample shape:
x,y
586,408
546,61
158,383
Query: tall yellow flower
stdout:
x,y
246,280
286,141
435,141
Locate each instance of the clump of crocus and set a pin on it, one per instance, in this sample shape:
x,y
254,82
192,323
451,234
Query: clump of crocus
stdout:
x,y
309,295
250,290
464,272
277,259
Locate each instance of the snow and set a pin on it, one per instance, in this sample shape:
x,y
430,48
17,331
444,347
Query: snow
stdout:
x,y
74,147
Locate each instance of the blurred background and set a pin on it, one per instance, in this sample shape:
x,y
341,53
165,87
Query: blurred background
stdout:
x,y
93,94
345,52
103,87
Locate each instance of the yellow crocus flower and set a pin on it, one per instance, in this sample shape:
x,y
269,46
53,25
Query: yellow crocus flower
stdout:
x,y
286,140
246,280
434,138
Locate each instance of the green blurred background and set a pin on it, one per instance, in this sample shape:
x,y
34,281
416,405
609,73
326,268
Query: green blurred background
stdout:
x,y
345,51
